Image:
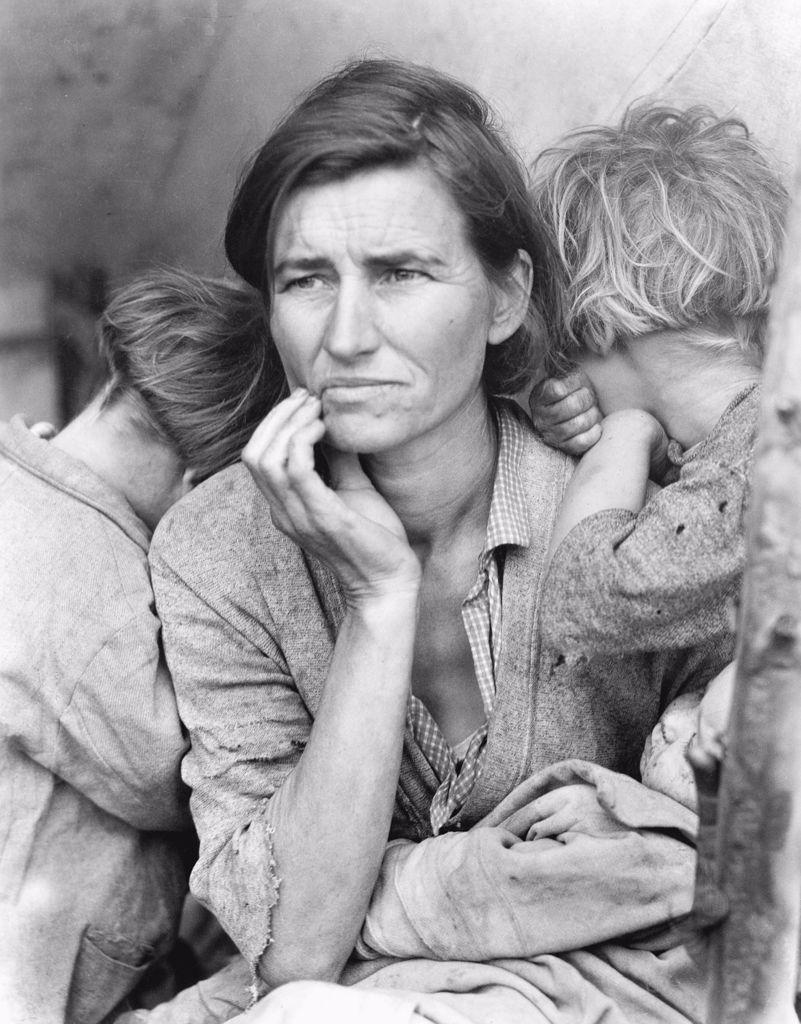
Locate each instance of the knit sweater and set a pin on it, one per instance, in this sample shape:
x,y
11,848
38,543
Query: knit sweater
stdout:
x,y
668,576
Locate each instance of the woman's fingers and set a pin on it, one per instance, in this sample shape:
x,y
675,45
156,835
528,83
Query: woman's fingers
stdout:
x,y
267,453
274,424
299,458
348,525
346,470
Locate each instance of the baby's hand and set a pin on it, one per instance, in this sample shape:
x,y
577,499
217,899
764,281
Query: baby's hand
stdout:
x,y
573,808
708,750
565,412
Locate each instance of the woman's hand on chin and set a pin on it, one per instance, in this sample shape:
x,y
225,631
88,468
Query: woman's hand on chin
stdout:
x,y
349,526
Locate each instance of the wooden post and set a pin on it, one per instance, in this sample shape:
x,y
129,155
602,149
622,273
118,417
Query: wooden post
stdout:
x,y
754,956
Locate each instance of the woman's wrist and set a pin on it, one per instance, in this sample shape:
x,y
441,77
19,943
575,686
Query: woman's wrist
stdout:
x,y
387,597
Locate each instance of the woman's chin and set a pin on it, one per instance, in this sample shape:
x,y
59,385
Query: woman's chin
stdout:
x,y
365,435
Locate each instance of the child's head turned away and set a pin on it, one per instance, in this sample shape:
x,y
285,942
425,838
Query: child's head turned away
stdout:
x,y
671,222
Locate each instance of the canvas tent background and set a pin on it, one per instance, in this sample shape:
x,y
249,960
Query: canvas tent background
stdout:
x,y
126,122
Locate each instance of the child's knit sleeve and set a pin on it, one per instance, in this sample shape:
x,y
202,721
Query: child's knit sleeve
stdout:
x,y
661,579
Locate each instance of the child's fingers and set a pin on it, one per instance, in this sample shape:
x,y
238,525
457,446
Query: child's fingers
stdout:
x,y
574,437
582,442
578,403
555,389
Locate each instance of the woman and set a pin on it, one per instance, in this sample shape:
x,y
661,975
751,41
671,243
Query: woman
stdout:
x,y
94,823
356,657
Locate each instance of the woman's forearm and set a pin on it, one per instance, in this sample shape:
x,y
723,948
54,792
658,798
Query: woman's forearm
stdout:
x,y
332,815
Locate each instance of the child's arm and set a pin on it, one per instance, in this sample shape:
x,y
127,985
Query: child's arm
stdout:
x,y
661,578
614,473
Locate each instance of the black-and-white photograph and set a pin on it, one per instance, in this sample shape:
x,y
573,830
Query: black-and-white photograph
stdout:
x,y
400,511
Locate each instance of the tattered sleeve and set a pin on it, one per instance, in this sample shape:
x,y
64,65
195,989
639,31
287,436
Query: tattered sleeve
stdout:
x,y
662,579
247,726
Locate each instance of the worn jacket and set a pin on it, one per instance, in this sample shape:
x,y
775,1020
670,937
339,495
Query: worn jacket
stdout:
x,y
91,879
249,628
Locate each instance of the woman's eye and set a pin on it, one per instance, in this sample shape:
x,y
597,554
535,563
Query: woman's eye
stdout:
x,y
401,275
303,283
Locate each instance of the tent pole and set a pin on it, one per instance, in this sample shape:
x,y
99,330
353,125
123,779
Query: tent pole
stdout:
x,y
754,952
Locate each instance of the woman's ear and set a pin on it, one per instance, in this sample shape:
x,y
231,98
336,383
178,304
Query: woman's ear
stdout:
x,y
511,299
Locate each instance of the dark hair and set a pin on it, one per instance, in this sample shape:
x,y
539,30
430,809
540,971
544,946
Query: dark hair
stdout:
x,y
375,113
191,355
672,220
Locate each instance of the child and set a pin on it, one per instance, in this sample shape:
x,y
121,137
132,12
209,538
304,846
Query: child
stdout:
x,y
94,817
668,230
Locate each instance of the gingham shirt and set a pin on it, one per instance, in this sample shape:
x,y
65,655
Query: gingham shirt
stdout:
x,y
457,771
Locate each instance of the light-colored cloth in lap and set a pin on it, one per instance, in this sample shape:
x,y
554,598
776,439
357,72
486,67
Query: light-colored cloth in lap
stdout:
x,y
492,895
479,898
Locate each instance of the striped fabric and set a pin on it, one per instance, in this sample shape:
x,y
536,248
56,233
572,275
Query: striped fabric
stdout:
x,y
457,771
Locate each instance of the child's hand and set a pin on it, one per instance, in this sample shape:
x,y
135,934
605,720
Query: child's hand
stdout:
x,y
573,808
709,747
565,412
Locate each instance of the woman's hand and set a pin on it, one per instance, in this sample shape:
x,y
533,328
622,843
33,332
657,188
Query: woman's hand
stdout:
x,y
573,808
565,412
349,526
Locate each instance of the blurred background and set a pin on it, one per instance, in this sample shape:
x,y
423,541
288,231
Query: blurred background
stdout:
x,y
125,123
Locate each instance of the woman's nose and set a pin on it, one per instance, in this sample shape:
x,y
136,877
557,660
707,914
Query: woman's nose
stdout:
x,y
350,331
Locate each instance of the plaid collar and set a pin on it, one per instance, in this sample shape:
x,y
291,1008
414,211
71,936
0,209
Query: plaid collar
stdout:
x,y
508,516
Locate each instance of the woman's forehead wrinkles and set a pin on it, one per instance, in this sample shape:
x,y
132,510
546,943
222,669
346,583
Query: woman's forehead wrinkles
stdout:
x,y
368,218
380,241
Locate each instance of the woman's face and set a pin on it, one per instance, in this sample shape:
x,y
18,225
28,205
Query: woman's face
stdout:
x,y
382,308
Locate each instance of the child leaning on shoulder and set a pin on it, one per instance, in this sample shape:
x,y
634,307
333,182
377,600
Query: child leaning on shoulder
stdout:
x,y
668,231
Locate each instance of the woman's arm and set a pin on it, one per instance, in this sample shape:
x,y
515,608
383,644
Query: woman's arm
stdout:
x,y
618,867
316,844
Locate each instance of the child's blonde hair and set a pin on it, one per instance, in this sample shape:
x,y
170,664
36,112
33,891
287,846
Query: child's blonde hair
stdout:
x,y
192,355
671,221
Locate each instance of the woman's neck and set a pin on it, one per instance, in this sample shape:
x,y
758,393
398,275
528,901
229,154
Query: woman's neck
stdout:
x,y
440,486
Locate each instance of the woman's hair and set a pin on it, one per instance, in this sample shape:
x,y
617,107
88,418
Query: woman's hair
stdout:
x,y
191,355
377,113
673,220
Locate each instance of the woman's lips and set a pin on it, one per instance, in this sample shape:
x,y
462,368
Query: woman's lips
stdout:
x,y
355,390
